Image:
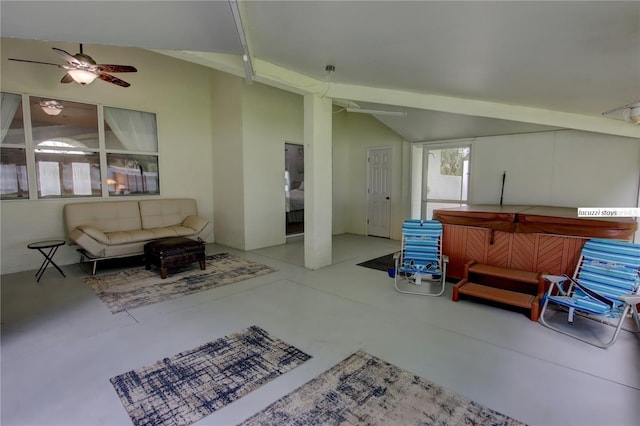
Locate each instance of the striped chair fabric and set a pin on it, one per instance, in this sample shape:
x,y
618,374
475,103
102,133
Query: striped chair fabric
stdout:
x,y
421,247
610,269
607,270
420,261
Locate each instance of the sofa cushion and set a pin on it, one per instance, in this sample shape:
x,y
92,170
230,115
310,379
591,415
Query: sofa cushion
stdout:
x,y
106,216
125,237
166,212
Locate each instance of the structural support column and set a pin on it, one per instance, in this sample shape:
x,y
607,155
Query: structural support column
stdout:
x,y
317,181
416,181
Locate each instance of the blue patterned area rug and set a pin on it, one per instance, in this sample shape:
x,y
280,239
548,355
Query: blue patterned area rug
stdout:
x,y
137,287
364,389
193,384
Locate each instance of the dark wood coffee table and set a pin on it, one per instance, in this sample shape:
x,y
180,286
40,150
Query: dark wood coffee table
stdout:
x,y
173,252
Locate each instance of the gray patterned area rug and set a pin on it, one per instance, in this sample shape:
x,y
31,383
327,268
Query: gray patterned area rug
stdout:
x,y
364,389
137,287
193,384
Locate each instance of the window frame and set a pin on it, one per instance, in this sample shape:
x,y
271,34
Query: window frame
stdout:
x,y
420,199
30,152
24,147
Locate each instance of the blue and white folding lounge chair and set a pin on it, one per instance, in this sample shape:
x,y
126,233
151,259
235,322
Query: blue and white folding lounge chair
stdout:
x,y
604,287
420,266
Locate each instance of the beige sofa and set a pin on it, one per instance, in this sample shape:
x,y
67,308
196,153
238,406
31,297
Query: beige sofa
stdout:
x,y
121,228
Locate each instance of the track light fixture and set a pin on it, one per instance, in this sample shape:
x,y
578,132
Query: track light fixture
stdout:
x,y
378,112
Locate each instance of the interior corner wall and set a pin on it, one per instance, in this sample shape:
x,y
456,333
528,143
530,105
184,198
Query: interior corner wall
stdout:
x,y
182,107
341,170
270,117
353,135
227,159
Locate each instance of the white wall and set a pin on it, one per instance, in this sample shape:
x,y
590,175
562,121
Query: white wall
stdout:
x,y
270,117
178,92
353,135
226,163
563,168
341,184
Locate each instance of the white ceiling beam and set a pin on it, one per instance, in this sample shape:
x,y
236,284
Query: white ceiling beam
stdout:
x,y
244,41
292,81
485,109
286,79
231,64
265,72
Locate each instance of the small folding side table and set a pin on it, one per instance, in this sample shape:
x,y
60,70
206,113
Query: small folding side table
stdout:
x,y
42,246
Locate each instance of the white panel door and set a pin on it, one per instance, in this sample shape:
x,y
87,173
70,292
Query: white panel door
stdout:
x,y
379,193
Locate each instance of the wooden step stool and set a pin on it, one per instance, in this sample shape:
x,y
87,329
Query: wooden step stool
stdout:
x,y
523,289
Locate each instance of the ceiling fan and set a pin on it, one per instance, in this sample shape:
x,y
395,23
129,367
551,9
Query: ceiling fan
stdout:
x,y
630,112
82,69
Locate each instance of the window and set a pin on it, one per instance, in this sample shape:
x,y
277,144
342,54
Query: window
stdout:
x,y
12,125
72,122
67,156
13,157
445,178
132,145
132,174
13,174
67,173
130,130
62,132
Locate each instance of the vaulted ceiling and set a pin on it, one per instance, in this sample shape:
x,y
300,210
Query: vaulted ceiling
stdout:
x,y
459,69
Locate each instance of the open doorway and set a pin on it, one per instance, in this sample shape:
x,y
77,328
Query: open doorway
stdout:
x,y
294,187
445,178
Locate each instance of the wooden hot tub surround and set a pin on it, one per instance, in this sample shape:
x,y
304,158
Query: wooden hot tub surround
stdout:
x,y
528,238
499,253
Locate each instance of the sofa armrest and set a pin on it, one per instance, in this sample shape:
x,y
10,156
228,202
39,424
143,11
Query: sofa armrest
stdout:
x,y
197,223
94,233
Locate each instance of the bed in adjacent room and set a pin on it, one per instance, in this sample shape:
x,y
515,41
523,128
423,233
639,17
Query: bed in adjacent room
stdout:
x,y
295,204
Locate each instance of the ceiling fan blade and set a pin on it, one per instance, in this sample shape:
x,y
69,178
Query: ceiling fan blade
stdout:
x,y
67,79
35,62
67,56
116,68
629,105
111,79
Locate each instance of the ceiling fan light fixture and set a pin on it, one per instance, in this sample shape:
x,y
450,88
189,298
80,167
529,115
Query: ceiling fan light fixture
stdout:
x,y
82,76
51,107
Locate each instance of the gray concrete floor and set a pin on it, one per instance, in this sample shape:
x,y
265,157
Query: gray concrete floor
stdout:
x,y
60,343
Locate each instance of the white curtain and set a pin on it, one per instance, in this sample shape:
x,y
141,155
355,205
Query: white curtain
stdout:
x,y
81,178
8,108
49,173
8,180
135,129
